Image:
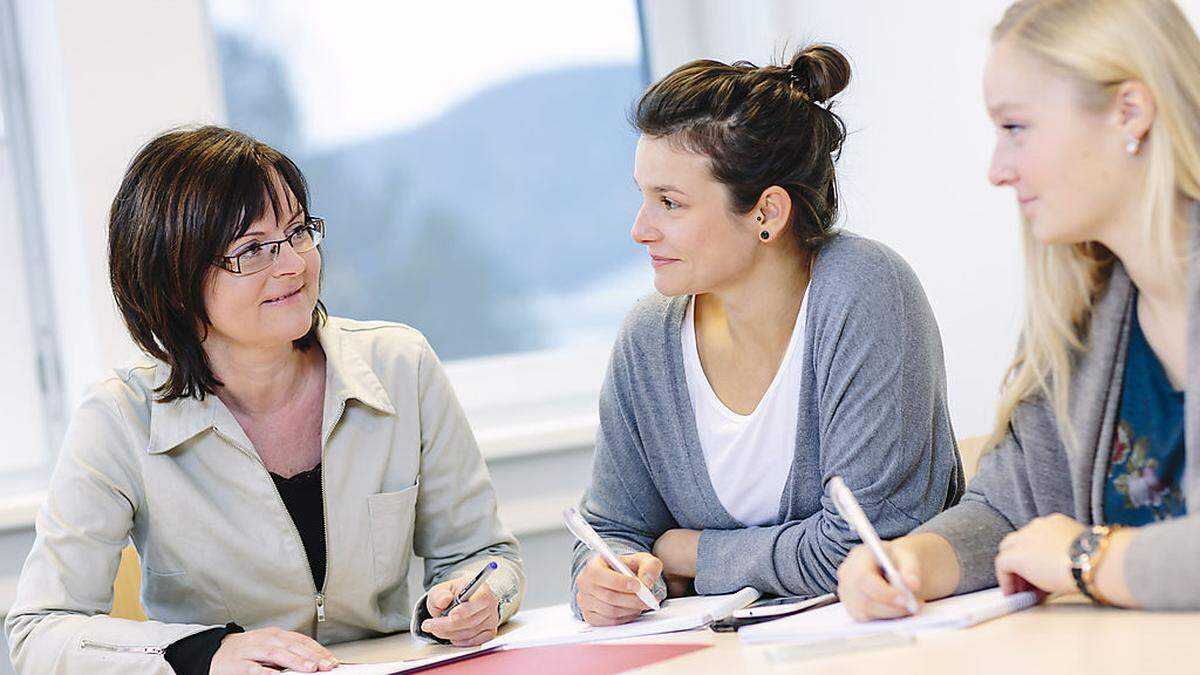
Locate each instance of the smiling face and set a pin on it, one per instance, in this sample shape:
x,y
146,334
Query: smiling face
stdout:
x,y
1066,161
695,244
273,306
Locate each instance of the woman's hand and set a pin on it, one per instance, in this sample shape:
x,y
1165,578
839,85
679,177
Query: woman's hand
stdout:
x,y
472,623
607,597
677,549
865,591
1037,556
927,565
266,650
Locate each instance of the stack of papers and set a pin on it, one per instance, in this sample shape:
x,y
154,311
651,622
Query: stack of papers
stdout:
x,y
833,622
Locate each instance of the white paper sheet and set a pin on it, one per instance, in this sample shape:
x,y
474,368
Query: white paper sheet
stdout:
x,y
834,622
556,625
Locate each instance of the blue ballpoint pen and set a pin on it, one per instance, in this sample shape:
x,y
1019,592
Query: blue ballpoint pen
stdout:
x,y
466,593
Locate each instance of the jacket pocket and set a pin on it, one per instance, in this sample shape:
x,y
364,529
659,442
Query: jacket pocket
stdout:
x,y
175,597
392,518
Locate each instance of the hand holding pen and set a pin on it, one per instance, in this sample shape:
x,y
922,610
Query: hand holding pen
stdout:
x,y
465,611
890,590
612,589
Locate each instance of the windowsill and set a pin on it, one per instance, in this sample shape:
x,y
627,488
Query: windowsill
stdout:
x,y
17,512
533,403
536,438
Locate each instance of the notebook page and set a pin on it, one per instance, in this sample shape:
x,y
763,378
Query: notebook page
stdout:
x,y
556,625
834,622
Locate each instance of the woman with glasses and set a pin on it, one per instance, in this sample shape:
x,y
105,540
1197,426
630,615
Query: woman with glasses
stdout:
x,y
276,468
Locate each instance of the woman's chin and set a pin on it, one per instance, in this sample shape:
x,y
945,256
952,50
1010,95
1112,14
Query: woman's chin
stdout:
x,y
669,287
1048,232
292,327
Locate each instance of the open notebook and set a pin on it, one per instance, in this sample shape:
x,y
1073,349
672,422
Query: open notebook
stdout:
x,y
834,622
556,625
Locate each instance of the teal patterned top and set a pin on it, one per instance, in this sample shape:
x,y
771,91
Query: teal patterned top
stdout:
x,y
1145,470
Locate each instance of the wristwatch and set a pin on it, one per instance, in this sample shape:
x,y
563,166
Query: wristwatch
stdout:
x,y
1086,553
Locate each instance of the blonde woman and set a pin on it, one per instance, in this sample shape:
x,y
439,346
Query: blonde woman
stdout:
x,y
1093,480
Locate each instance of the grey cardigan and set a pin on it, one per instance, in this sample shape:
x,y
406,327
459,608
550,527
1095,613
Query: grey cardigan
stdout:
x,y
872,409
1032,474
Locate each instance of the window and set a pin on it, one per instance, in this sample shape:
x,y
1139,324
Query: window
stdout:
x,y
473,161
30,400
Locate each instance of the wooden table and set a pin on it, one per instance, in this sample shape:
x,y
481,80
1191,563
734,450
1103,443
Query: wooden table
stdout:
x,y
1063,637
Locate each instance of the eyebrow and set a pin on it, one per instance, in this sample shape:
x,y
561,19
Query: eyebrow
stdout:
x,y
260,233
1001,108
661,188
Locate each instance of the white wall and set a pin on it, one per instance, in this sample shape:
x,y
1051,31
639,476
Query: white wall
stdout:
x,y
914,167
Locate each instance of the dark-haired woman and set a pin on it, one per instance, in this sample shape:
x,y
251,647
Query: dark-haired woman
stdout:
x,y
777,353
275,468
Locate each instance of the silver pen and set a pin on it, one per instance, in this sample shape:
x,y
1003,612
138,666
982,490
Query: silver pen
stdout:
x,y
466,593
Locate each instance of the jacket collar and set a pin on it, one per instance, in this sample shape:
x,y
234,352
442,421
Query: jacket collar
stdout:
x,y
348,376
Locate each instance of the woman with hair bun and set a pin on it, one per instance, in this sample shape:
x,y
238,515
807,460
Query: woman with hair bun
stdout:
x,y
776,353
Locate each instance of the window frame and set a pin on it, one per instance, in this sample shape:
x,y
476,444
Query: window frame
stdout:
x,y
17,131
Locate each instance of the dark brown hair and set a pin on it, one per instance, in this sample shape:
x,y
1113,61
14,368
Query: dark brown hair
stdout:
x,y
760,127
186,196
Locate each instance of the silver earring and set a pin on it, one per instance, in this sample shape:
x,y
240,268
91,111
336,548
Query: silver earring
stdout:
x,y
1133,145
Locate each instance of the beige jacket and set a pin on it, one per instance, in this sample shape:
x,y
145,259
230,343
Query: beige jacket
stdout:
x,y
401,474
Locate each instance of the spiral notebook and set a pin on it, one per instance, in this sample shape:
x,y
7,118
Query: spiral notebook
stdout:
x,y
834,622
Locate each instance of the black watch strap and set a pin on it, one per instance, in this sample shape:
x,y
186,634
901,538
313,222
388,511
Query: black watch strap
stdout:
x,y
1081,584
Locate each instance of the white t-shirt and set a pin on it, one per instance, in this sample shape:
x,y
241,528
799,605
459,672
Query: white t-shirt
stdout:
x,y
750,456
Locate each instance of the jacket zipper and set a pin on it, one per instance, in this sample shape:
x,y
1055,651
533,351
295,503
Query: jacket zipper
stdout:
x,y
85,643
318,593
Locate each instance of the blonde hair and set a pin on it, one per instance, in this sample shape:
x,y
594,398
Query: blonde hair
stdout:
x,y
1101,44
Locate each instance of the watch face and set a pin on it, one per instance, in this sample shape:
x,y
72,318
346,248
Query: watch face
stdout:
x,y
1085,546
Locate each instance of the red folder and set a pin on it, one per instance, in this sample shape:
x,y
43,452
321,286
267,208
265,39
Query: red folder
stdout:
x,y
580,659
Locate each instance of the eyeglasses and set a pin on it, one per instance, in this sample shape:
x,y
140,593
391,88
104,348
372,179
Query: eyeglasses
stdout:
x,y
260,255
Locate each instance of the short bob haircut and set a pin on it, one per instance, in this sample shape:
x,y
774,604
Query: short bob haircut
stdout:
x,y
186,196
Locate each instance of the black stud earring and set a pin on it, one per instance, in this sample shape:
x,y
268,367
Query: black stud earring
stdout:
x,y
759,219
765,235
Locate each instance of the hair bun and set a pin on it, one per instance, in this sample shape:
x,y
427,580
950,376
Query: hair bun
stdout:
x,y
820,71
